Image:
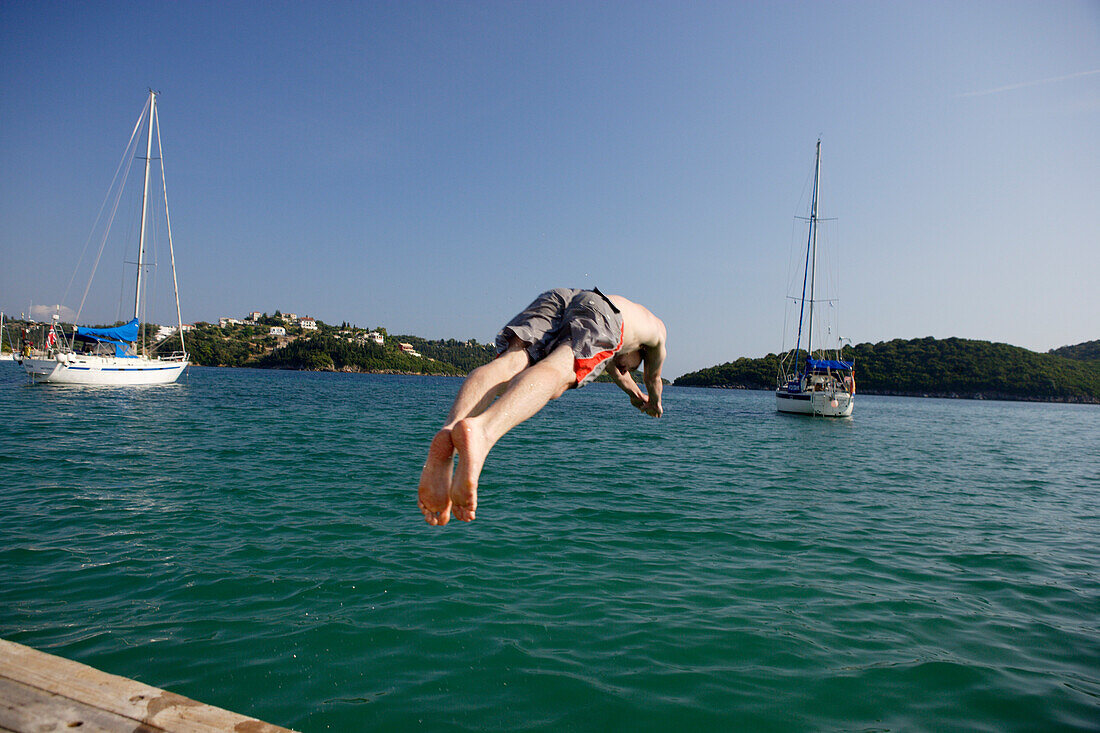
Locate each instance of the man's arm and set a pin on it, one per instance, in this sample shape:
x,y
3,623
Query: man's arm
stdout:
x,y
646,333
627,384
654,360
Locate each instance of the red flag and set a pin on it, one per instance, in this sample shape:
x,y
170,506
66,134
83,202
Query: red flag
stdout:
x,y
51,338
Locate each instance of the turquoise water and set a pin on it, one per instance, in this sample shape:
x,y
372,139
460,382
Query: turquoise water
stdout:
x,y
251,539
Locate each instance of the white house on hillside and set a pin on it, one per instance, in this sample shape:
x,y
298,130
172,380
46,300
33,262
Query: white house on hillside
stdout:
x,y
277,331
308,323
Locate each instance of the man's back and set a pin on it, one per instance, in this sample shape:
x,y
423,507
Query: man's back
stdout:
x,y
640,327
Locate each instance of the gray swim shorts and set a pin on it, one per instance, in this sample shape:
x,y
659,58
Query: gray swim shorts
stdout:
x,y
586,319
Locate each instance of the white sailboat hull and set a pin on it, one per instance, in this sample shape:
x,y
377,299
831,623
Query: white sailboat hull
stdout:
x,y
103,370
824,404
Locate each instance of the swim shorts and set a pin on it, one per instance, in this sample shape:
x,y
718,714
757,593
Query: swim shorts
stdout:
x,y
590,322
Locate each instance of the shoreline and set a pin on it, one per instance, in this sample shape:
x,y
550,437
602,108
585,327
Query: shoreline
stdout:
x,y
978,396
343,370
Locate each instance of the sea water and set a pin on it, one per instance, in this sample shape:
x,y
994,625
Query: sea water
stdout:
x,y
251,539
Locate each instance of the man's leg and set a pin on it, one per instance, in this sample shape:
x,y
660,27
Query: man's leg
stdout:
x,y
478,391
474,436
484,384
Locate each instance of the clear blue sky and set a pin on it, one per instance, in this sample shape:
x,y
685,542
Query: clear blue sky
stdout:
x,y
431,166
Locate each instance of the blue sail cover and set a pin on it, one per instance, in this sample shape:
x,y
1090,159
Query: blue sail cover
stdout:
x,y
127,333
824,365
118,336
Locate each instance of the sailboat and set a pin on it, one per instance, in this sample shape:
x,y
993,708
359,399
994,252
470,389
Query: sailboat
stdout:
x,y
814,382
114,356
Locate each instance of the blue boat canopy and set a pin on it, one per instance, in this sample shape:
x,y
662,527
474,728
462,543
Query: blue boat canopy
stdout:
x,y
126,333
824,365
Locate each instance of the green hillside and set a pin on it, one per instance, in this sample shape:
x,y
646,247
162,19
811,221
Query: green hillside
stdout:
x,y
467,356
938,368
1088,351
329,348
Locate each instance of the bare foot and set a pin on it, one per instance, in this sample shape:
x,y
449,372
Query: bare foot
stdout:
x,y
433,494
469,440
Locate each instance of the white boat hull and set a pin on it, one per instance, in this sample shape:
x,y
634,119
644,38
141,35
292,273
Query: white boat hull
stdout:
x,y
103,370
826,404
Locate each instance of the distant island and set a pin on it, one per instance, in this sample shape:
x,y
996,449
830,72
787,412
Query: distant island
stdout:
x,y
286,341
928,367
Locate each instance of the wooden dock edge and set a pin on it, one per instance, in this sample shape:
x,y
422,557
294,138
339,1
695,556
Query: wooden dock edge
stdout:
x,y
40,692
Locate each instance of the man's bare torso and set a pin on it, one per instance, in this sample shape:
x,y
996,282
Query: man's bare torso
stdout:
x,y
640,327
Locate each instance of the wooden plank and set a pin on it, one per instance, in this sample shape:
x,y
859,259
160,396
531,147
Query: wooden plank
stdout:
x,y
136,703
25,708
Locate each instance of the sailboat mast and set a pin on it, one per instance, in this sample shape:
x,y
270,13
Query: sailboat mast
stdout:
x,y
144,202
171,249
813,253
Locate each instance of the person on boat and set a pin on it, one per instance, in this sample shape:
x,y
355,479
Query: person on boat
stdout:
x,y
563,340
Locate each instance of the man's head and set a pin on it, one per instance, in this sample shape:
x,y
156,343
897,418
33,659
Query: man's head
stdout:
x,y
630,361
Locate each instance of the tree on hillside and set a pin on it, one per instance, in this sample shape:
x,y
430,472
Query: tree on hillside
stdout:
x,y
1088,351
